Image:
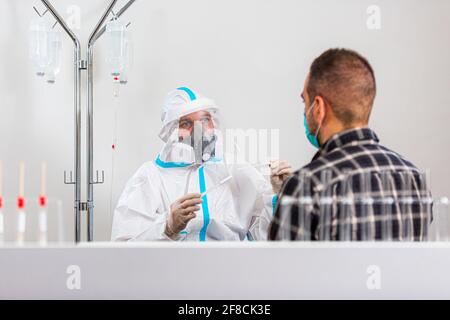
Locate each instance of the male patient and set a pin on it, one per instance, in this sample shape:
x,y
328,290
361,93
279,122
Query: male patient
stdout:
x,y
190,192
338,95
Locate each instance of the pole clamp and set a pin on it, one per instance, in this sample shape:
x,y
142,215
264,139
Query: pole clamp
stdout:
x,y
82,64
83,206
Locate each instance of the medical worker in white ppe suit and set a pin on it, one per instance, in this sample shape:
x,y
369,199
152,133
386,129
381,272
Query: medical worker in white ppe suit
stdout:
x,y
191,192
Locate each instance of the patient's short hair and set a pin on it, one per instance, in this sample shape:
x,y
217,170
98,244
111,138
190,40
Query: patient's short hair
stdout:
x,y
346,80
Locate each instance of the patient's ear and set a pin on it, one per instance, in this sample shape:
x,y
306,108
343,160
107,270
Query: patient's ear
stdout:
x,y
320,109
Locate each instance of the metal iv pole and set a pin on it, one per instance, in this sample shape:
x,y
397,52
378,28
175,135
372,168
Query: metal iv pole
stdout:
x,y
80,65
90,125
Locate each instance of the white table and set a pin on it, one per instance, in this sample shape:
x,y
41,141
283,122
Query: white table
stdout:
x,y
227,271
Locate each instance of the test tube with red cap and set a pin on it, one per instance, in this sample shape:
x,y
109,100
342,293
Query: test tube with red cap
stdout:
x,y
21,217
43,206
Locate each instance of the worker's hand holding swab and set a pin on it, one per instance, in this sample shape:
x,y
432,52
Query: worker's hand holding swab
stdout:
x,y
181,212
280,171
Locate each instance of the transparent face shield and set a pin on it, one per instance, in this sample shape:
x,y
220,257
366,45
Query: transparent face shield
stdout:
x,y
196,141
193,139
200,136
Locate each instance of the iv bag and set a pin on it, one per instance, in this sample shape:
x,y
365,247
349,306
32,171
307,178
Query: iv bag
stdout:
x,y
128,58
54,47
39,55
118,52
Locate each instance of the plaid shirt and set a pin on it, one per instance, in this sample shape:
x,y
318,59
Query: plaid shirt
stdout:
x,y
354,189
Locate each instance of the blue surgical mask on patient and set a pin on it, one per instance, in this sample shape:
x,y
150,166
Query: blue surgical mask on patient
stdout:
x,y
312,138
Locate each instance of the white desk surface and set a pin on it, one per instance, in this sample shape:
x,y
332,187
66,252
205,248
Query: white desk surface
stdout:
x,y
226,271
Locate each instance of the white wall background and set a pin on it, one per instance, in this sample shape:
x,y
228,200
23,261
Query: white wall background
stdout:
x,y
250,56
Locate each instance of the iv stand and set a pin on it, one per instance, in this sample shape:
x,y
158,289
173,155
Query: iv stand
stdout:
x,y
80,65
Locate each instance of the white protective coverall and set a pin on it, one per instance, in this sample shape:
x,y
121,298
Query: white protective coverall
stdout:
x,y
239,209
